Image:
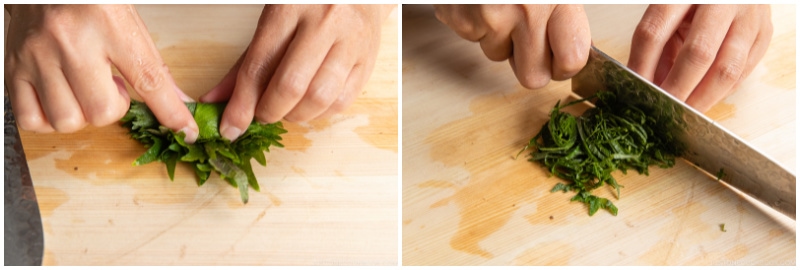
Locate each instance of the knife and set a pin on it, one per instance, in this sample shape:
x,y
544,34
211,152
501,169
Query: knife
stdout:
x,y
24,240
709,146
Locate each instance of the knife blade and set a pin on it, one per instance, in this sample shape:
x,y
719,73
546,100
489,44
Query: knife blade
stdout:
x,y
709,146
24,239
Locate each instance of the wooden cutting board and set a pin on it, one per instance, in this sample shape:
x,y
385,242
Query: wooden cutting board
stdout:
x,y
328,198
466,201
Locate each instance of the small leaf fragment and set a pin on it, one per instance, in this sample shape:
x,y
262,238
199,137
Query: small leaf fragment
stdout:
x,y
150,155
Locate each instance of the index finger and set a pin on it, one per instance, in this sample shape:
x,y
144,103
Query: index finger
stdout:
x,y
138,60
658,24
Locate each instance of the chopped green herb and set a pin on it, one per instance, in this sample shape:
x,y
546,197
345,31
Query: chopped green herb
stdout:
x,y
210,152
614,135
722,227
720,174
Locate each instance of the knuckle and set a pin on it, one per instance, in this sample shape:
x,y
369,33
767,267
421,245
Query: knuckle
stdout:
x,y
69,123
650,29
494,53
57,19
730,72
341,103
700,52
534,80
239,117
338,106
570,65
466,30
493,19
255,70
104,114
30,122
150,78
291,87
320,97
264,115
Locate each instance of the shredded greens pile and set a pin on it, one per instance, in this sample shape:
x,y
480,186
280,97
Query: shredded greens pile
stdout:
x,y
211,151
614,135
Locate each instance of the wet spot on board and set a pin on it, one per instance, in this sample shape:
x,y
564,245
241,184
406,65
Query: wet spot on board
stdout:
x,y
775,233
547,253
662,253
721,111
49,259
104,156
479,142
49,199
295,139
737,252
437,184
381,131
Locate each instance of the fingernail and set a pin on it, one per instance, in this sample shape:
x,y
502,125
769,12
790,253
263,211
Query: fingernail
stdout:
x,y
231,133
191,133
183,95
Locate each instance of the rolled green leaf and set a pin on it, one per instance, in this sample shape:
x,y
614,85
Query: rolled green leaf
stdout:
x,y
211,152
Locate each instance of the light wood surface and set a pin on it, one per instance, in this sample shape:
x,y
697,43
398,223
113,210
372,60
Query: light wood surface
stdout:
x,y
466,201
330,197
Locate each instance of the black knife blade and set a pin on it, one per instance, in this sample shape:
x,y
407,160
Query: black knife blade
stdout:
x,y
24,238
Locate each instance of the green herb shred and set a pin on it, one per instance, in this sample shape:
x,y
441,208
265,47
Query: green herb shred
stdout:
x,y
614,135
210,152
720,174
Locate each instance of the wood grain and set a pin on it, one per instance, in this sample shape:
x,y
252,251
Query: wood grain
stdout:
x,y
328,198
467,201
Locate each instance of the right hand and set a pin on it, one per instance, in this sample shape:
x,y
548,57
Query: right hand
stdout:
x,y
58,68
541,42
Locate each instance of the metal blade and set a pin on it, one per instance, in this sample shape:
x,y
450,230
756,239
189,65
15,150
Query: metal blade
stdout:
x,y
710,147
24,239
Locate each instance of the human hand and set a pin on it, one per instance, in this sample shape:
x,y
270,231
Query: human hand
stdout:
x,y
541,42
304,62
700,53
58,68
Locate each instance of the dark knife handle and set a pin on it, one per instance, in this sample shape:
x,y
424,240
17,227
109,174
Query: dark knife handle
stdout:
x,y
24,239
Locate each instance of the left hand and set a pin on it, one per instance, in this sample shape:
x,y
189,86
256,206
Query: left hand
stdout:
x,y
700,53
304,62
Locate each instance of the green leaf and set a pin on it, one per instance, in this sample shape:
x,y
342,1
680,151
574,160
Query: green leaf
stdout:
x,y
195,153
150,155
210,152
171,160
208,117
251,177
203,171
229,171
259,156
560,187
